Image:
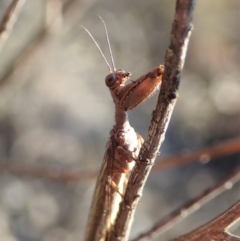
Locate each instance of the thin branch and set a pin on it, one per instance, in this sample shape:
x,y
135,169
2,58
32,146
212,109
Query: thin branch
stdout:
x,y
217,229
48,173
204,155
71,10
174,61
9,20
191,206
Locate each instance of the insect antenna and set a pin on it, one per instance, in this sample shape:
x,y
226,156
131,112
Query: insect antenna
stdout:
x,y
110,69
109,46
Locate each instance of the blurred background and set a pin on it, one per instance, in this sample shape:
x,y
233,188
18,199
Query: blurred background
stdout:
x,y
56,112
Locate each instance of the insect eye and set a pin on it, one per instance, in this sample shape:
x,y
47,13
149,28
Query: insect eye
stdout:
x,y
110,80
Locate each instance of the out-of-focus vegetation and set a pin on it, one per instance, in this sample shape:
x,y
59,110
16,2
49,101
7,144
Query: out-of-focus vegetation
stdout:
x,y
56,111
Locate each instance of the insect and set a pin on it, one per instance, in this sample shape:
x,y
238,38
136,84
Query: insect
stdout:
x,y
122,148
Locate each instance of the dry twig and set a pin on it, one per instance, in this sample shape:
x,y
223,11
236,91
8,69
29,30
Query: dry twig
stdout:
x,y
48,173
191,206
25,62
9,20
174,61
217,229
204,155
61,175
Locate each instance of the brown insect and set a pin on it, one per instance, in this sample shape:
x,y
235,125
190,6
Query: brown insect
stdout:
x,y
122,148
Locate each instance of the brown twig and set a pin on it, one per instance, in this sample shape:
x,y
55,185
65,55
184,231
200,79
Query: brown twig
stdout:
x,y
191,206
24,62
49,173
204,155
9,20
174,61
217,229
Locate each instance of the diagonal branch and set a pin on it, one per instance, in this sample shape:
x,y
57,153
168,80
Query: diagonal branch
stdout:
x,y
9,20
191,206
217,229
203,155
174,61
